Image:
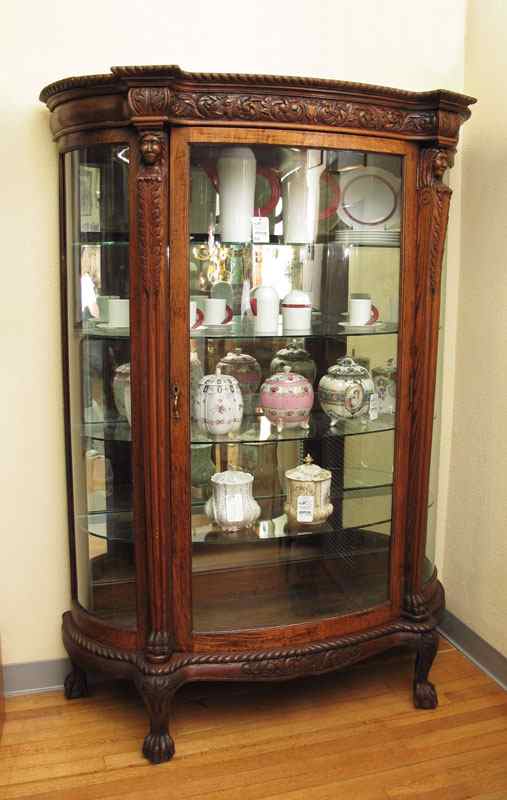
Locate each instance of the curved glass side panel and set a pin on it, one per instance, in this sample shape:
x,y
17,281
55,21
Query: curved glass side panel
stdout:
x,y
97,258
294,260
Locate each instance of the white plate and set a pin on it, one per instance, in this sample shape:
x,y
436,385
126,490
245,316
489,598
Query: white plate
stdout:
x,y
370,197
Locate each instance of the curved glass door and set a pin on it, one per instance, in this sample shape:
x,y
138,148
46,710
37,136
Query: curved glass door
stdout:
x,y
98,336
294,287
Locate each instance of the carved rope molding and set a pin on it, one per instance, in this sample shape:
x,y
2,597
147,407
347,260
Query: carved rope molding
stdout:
x,y
321,656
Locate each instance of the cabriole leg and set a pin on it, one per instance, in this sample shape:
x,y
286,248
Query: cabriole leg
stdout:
x,y
425,694
75,684
157,693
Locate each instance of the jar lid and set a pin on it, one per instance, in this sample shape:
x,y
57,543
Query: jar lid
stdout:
x,y
293,352
232,477
308,471
217,379
237,356
297,299
286,378
348,368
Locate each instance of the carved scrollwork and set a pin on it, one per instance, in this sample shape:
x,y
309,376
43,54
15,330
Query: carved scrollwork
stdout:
x,y
293,109
149,101
433,200
159,644
415,608
149,213
294,665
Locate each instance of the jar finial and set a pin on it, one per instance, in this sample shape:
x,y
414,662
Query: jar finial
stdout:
x,y
308,459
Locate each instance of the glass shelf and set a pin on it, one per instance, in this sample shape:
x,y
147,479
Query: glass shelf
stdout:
x,y
353,509
259,429
101,243
102,331
330,329
114,526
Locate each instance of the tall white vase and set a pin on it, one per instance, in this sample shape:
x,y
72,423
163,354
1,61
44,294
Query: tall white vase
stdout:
x,y
236,167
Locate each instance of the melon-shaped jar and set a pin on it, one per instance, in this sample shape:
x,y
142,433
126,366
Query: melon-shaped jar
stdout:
x,y
297,359
121,391
287,399
232,505
218,405
247,371
345,390
308,494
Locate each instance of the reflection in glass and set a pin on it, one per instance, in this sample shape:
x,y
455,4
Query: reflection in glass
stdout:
x,y
97,243
294,260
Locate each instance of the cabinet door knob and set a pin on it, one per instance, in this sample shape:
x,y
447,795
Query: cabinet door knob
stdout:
x,y
175,392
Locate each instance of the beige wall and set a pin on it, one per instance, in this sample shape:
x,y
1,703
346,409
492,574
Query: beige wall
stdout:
x,y
375,42
475,549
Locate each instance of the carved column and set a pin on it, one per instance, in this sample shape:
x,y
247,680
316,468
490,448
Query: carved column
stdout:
x,y
433,199
152,354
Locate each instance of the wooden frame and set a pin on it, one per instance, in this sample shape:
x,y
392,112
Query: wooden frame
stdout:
x,y
159,112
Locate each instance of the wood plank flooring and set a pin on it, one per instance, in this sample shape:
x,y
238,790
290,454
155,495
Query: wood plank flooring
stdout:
x,y
352,735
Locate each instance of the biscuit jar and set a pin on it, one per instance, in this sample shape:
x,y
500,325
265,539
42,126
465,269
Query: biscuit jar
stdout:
x,y
246,369
218,404
297,359
232,506
287,399
308,494
345,390
297,312
384,379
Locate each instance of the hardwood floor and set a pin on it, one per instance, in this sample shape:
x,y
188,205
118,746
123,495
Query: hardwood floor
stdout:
x,y
352,735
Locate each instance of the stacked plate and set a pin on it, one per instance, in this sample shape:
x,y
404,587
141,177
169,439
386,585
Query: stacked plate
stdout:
x,y
372,238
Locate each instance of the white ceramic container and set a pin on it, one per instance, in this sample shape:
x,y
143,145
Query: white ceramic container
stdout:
x,y
345,390
218,405
202,201
196,375
247,371
232,505
308,494
236,168
297,312
301,195
266,305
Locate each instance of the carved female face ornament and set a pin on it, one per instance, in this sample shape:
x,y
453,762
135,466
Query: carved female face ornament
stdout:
x,y
440,164
151,148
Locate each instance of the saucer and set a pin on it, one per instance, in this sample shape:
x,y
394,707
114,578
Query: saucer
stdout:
x,y
113,325
363,325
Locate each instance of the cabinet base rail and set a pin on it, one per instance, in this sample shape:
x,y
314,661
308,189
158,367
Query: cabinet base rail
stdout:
x,y
157,683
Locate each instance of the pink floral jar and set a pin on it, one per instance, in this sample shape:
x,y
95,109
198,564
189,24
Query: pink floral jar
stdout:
x,y
287,400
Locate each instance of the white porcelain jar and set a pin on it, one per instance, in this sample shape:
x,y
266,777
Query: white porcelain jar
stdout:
x,y
247,371
308,494
345,390
232,505
297,312
218,405
196,375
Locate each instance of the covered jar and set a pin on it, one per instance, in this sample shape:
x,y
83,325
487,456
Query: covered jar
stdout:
x,y
218,404
308,494
287,399
232,505
384,379
345,390
297,358
247,371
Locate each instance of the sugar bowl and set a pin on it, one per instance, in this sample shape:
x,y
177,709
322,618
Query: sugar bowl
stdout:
x,y
246,369
308,494
287,399
232,506
345,390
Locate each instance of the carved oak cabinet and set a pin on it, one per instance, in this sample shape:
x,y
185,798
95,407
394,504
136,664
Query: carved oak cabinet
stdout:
x,y
188,202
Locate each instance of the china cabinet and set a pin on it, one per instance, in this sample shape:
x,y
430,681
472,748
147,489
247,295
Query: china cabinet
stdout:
x,y
249,264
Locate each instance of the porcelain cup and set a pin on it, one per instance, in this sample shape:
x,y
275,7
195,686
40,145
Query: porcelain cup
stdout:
x,y
361,310
119,312
216,311
103,304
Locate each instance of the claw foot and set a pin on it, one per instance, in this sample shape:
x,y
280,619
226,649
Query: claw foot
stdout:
x,y
75,684
158,747
425,695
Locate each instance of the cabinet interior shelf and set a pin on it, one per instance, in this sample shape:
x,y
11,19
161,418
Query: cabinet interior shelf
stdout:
x,y
329,329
